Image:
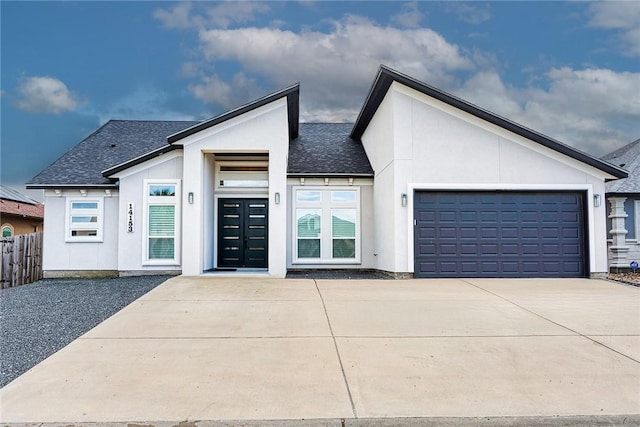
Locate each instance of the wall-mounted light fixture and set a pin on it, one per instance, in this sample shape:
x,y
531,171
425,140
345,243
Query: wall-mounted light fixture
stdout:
x,y
403,199
597,200
83,193
276,198
190,198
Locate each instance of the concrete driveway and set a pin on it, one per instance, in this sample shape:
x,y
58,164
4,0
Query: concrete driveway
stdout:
x,y
206,348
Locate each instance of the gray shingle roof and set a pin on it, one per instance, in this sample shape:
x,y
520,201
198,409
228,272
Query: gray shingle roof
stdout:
x,y
321,148
627,157
8,193
112,144
327,149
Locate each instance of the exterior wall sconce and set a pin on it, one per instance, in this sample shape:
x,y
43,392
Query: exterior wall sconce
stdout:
x,y
597,200
404,200
277,198
58,192
107,192
83,193
350,181
190,198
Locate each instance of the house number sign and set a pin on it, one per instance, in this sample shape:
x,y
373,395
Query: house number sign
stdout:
x,y
130,218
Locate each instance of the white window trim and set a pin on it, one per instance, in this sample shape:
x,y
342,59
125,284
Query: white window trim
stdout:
x,y
240,188
326,235
98,238
161,200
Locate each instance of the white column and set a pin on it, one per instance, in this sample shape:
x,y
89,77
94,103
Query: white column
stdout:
x,y
618,233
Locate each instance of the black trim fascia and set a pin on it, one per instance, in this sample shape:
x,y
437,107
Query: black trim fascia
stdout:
x,y
293,102
141,159
386,76
621,194
113,186
330,175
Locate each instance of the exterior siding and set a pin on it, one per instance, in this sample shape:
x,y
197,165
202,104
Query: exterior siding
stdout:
x,y
131,249
59,255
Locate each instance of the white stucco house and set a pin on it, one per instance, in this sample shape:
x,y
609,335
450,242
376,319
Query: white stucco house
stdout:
x,y
623,209
423,184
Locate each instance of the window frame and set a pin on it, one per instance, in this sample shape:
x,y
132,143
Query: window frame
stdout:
x,y
326,206
175,201
11,230
70,212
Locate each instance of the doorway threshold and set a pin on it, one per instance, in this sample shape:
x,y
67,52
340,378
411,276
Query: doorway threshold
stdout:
x,y
236,272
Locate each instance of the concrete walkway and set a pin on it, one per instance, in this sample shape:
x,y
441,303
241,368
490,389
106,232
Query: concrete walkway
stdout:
x,y
204,348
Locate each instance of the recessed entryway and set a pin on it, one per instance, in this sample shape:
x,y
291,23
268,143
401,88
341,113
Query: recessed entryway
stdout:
x,y
242,233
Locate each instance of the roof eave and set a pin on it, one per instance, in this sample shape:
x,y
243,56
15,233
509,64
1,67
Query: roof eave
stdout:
x,y
328,175
292,93
140,159
111,186
386,76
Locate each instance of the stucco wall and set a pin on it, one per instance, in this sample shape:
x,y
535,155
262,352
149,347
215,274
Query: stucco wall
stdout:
x,y
132,188
59,255
263,130
437,146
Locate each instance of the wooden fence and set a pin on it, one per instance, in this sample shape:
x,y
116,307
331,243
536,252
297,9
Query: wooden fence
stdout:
x,y
21,259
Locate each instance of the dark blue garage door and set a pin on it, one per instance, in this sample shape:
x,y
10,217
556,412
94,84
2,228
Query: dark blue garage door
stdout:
x,y
499,234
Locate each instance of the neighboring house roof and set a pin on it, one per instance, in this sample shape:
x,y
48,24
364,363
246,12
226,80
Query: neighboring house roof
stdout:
x,y
11,207
627,157
114,143
8,193
292,93
386,76
327,149
12,202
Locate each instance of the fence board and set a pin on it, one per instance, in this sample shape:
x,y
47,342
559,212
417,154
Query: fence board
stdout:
x,y
21,259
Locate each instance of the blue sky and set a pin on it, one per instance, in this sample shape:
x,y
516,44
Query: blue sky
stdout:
x,y
568,69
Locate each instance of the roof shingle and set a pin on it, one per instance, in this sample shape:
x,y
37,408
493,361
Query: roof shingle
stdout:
x,y
112,144
327,149
627,157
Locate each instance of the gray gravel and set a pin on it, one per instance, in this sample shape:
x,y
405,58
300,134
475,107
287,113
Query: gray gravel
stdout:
x,y
40,318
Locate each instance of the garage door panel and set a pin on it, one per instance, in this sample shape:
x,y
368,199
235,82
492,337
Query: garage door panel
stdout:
x,y
499,234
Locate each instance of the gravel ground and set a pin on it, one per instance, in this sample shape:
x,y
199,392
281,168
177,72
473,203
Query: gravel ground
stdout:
x,y
40,318
626,277
337,274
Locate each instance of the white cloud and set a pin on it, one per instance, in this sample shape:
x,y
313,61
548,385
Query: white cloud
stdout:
x,y
45,95
222,15
410,17
623,16
213,90
335,68
466,12
595,110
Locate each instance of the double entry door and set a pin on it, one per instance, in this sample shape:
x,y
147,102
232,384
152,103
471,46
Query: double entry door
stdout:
x,y
243,233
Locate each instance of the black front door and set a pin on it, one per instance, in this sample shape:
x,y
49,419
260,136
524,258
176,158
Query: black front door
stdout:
x,y
242,233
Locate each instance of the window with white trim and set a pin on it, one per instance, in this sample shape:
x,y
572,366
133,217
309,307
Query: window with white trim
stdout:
x,y
327,225
161,221
84,220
